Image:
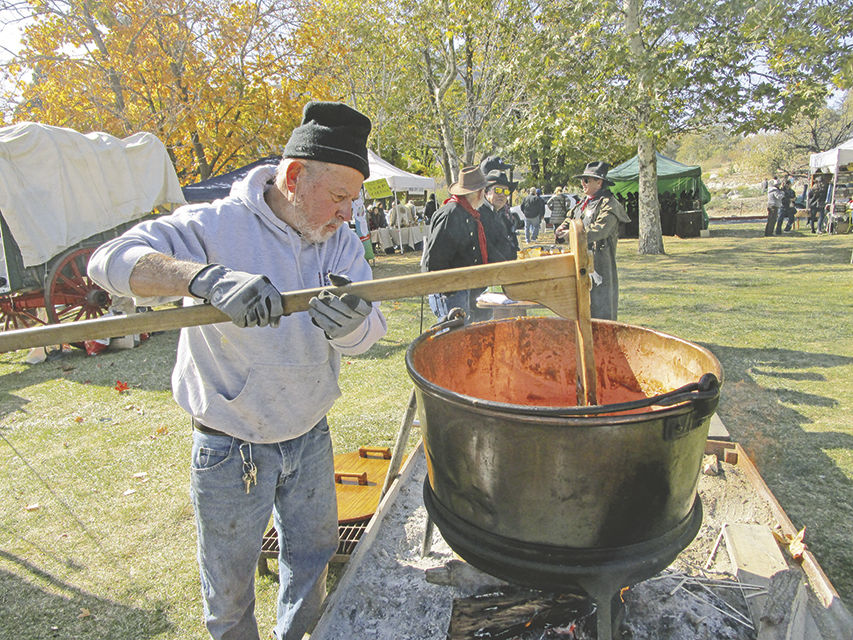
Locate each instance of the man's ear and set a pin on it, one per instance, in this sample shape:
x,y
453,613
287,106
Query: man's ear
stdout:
x,y
295,169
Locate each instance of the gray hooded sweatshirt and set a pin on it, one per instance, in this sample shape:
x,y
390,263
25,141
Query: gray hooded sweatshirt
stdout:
x,y
260,384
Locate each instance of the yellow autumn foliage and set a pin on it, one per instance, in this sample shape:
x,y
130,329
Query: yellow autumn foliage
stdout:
x,y
220,83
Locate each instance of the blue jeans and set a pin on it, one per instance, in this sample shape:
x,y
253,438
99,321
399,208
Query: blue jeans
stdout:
x,y
442,303
531,229
295,483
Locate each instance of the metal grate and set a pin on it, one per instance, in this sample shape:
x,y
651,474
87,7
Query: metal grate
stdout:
x,y
348,536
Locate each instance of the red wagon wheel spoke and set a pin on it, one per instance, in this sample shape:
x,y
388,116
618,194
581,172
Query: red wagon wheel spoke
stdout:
x,y
69,293
19,312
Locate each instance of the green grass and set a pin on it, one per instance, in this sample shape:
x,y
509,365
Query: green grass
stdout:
x,y
91,562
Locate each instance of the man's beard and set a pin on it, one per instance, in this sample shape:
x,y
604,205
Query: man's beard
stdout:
x,y
478,203
314,235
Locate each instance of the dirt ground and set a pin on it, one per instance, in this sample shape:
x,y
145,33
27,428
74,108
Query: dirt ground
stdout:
x,y
384,594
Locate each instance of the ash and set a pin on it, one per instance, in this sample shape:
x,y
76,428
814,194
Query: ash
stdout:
x,y
384,594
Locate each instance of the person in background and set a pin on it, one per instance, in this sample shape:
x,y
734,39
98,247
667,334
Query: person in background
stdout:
x,y
498,190
816,199
430,208
559,207
786,208
494,163
359,219
258,388
601,214
461,236
533,208
401,216
774,203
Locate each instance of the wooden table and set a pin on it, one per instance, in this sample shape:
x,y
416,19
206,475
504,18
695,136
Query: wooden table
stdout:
x,y
513,309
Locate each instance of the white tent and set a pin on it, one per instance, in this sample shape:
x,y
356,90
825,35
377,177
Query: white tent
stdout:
x,y
832,159
397,179
385,181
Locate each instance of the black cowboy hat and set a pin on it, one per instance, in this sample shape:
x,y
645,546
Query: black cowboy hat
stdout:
x,y
496,177
596,170
492,163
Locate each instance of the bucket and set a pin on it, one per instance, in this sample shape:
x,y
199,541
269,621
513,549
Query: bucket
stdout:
x,y
513,461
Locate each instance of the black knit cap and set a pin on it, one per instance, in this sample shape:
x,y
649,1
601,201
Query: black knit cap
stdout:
x,y
331,132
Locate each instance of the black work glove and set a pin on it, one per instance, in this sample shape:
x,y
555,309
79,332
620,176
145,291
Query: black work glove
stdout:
x,y
338,316
249,300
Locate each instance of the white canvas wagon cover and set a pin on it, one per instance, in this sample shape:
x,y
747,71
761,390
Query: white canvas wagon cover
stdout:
x,y
59,187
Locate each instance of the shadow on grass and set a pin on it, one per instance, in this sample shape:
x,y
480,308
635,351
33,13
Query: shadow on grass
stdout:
x,y
35,604
790,450
147,367
785,256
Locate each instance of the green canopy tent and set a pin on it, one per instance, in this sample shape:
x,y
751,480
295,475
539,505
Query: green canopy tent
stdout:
x,y
673,177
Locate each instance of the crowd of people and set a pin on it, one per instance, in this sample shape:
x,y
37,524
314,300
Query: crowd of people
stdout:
x,y
817,199
475,226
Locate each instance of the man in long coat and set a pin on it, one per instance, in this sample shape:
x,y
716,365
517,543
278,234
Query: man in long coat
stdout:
x,y
601,214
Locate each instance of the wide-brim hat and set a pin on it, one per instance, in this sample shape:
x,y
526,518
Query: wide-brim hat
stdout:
x,y
491,163
496,177
596,170
471,180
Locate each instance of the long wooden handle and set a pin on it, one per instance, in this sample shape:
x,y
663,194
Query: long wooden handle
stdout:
x,y
547,280
586,374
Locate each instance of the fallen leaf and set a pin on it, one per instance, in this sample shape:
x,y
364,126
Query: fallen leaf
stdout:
x,y
162,430
795,544
121,387
129,491
140,474
710,466
78,419
84,613
35,506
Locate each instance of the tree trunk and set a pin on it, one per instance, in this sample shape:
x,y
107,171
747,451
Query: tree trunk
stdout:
x,y
650,237
436,95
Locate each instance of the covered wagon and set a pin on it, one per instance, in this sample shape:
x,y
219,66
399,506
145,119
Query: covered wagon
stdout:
x,y
62,193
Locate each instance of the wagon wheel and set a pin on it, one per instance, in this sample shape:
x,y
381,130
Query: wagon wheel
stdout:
x,y
69,292
14,315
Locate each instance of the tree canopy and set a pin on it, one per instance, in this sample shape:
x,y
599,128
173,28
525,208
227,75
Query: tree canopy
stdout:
x,y
549,86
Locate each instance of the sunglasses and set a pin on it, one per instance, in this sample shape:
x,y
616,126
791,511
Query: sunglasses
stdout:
x,y
501,191
586,180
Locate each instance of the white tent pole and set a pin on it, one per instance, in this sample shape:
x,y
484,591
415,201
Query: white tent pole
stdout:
x,y
397,212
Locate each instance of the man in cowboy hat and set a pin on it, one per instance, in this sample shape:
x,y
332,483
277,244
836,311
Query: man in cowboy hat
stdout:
x,y
462,236
601,214
498,190
258,388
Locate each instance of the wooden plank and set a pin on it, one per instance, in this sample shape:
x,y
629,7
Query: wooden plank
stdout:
x,y
817,578
837,614
359,501
586,373
367,538
548,280
718,430
755,559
